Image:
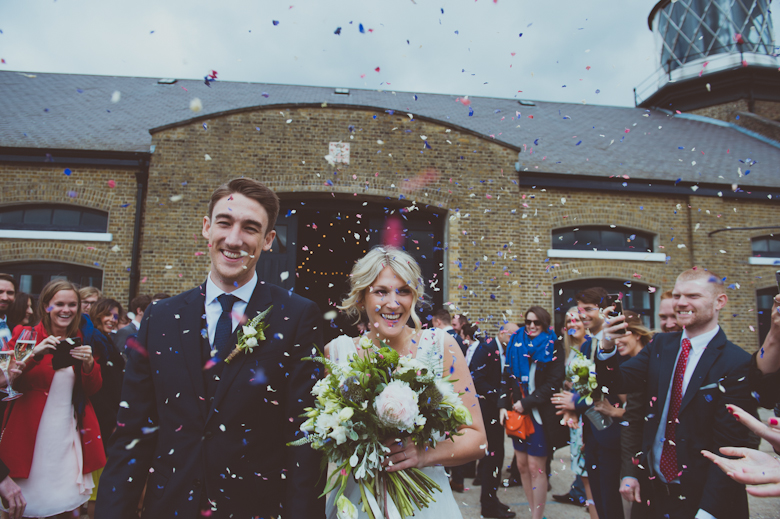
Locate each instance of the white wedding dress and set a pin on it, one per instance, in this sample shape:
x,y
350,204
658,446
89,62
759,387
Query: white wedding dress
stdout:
x,y
429,351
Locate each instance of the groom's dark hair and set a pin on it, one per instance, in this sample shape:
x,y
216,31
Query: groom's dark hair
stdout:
x,y
253,189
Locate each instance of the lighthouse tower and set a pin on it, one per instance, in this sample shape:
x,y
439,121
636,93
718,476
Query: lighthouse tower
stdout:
x,y
718,58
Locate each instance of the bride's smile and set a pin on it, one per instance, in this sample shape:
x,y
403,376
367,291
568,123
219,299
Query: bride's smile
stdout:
x,y
389,302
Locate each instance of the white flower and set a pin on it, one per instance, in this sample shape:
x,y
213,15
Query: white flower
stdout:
x,y
250,343
346,413
366,343
320,386
420,420
447,390
339,434
407,363
345,508
396,406
249,331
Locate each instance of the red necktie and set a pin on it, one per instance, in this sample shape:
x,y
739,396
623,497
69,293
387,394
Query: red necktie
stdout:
x,y
669,453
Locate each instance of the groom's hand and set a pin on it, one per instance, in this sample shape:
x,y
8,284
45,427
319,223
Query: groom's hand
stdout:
x,y
403,454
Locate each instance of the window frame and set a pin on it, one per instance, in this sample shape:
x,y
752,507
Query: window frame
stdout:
x,y
52,231
603,254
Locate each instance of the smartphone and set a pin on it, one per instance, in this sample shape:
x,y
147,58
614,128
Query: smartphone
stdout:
x,y
616,301
62,357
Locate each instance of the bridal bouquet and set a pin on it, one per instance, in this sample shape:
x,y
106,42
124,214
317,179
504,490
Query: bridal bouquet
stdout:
x,y
377,397
582,374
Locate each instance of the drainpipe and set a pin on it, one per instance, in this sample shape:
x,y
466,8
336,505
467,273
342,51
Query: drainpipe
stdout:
x,y
142,181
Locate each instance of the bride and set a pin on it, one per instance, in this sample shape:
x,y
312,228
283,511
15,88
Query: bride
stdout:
x,y
385,285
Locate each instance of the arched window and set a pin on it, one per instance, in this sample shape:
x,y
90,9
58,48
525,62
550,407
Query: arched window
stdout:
x,y
637,297
604,242
53,221
33,276
765,250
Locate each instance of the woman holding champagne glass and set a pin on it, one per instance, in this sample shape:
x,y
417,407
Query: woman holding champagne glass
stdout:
x,y
51,440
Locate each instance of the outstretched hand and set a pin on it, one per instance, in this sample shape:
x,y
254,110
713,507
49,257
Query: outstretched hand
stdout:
x,y
751,467
771,432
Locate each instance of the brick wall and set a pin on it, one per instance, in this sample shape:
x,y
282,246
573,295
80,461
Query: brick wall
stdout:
x,y
86,187
498,234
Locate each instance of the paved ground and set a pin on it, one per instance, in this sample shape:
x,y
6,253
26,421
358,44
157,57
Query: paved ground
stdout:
x,y
768,508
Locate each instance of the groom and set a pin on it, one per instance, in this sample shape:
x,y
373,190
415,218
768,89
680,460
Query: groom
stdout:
x,y
208,438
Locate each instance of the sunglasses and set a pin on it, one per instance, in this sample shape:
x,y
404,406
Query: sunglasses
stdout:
x,y
529,322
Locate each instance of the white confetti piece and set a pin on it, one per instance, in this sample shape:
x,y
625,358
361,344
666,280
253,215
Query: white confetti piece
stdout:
x,y
196,105
115,248
116,96
207,157
176,198
284,275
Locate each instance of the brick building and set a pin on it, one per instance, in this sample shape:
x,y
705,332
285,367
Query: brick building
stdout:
x,y
506,203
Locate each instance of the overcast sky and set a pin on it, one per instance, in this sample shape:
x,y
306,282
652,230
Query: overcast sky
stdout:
x,y
595,51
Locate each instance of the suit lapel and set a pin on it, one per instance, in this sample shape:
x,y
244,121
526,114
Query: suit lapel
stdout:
x,y
261,299
707,359
668,362
190,323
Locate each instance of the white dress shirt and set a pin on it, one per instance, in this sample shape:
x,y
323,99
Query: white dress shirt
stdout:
x,y
214,308
470,352
698,345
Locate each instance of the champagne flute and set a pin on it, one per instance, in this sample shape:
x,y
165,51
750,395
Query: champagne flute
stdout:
x,y
24,345
5,362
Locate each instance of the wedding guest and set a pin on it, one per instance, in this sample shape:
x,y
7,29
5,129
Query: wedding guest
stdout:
x,y
52,441
22,311
138,306
503,337
533,374
590,303
104,314
159,296
442,320
8,290
764,375
89,296
667,317
633,479
576,341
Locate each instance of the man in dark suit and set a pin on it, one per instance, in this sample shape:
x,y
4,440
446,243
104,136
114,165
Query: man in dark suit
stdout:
x,y
138,305
688,378
442,319
486,368
212,436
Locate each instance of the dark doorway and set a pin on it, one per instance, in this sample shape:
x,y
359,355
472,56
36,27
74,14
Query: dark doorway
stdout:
x,y
33,276
333,234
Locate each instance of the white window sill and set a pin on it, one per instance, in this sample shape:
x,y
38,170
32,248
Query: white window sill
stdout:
x,y
659,257
56,235
763,261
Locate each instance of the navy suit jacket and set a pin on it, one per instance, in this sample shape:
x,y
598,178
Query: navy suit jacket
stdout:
x,y
485,370
720,378
233,450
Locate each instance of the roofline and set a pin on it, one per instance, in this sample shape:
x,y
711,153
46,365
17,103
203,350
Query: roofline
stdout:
x,y
334,106
73,157
643,186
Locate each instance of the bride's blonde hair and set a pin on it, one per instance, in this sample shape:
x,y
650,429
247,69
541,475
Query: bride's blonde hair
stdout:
x,y
367,269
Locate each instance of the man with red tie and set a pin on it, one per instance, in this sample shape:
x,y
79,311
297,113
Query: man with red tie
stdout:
x,y
688,378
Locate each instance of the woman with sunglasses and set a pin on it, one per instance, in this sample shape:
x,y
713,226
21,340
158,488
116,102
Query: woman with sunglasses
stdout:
x,y
534,371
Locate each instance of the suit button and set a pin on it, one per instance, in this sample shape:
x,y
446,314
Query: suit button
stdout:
x,y
208,435
196,483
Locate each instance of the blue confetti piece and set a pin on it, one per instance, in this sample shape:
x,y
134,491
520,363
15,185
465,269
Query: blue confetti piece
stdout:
x,y
361,29
205,127
125,205
471,111
337,31
708,397
264,94
442,12
80,91
67,172
536,142
598,91
580,142
276,22
521,35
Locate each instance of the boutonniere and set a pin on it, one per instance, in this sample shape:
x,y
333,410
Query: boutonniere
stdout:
x,y
250,335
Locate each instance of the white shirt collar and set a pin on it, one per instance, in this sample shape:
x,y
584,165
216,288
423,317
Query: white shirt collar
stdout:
x,y
700,342
244,292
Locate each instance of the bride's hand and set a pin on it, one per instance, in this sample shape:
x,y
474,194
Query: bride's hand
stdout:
x,y
403,454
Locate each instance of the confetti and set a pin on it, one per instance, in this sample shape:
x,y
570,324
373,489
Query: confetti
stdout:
x,y
196,105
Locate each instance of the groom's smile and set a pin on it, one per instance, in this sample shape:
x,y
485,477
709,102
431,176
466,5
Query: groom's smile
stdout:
x,y
237,232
